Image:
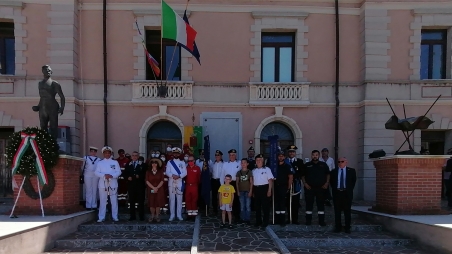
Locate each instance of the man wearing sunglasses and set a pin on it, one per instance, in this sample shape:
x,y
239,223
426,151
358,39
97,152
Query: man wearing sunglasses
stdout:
x,y
343,180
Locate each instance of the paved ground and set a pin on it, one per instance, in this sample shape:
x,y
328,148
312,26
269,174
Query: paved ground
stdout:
x,y
357,250
240,239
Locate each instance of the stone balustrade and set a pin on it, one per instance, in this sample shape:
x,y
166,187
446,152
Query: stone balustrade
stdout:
x,y
177,92
296,93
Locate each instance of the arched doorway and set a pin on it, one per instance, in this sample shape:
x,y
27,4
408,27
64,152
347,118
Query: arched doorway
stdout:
x,y
286,137
161,134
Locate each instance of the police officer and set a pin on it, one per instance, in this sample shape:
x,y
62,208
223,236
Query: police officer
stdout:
x,y
316,179
283,181
216,170
135,172
297,167
231,168
263,183
108,171
90,179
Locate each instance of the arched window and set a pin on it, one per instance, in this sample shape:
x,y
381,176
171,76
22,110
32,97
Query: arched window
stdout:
x,y
286,137
161,134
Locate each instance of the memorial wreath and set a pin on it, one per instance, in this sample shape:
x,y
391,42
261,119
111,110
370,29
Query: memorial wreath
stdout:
x,y
33,151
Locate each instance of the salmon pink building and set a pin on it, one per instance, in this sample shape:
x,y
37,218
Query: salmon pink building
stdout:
x,y
266,68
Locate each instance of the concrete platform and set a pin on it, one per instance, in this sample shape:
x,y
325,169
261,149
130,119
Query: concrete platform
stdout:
x,y
34,234
434,231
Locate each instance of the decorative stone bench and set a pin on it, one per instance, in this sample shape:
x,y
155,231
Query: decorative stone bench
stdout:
x,y
409,184
65,198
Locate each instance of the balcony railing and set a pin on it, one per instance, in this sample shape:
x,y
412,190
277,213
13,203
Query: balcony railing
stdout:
x,y
279,93
151,91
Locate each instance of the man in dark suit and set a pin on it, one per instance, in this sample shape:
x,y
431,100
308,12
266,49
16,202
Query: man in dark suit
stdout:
x,y
135,172
342,180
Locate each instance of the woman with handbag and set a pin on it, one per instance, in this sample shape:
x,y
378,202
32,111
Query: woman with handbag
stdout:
x,y
156,195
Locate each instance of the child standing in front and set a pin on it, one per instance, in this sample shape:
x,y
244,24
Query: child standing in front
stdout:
x,y
244,186
226,199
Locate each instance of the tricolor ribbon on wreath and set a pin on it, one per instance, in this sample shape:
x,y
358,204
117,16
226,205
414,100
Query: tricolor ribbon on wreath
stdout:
x,y
27,141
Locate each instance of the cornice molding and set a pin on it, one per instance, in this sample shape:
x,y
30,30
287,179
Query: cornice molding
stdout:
x,y
294,14
433,11
155,12
12,3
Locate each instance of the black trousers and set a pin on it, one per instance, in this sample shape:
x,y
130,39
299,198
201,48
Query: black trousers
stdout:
x,y
280,199
262,204
295,206
215,183
136,196
316,194
235,203
343,203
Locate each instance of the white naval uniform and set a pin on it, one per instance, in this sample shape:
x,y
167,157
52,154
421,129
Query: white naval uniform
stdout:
x,y
175,186
91,180
199,163
108,186
230,168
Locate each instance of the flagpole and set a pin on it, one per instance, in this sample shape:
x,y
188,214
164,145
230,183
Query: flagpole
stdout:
x,y
161,45
174,51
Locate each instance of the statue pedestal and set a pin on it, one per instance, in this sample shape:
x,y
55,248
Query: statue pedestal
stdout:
x,y
65,198
409,184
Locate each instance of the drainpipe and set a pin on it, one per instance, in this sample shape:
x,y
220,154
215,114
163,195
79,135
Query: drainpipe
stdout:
x,y
336,85
104,22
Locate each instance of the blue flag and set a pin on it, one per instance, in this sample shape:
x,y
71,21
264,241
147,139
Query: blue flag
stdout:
x,y
273,150
195,51
205,172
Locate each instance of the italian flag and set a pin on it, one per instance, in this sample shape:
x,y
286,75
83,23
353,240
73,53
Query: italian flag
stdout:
x,y
175,28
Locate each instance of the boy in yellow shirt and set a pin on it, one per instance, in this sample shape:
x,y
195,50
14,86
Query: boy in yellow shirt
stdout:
x,y
226,199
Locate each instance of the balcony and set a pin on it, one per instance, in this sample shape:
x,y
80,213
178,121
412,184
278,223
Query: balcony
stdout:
x,y
178,92
279,94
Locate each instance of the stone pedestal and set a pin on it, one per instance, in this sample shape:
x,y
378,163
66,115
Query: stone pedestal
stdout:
x,y
409,184
65,198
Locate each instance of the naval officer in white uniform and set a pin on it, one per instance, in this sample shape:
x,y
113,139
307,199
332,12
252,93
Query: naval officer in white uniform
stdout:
x,y
176,176
91,180
108,171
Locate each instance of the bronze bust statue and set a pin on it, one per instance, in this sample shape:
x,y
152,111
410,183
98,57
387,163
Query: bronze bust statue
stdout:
x,y
48,106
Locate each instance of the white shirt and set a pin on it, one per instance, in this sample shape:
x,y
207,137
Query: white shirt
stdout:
x,y
216,169
329,162
199,163
261,176
110,167
170,171
89,166
230,168
339,177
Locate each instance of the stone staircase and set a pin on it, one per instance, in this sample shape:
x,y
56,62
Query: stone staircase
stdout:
x,y
365,237
128,237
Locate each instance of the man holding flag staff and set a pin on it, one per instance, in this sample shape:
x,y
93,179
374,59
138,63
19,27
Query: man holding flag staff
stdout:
x,y
293,198
283,183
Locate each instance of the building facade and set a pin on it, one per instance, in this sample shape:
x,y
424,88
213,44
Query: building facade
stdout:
x,y
267,67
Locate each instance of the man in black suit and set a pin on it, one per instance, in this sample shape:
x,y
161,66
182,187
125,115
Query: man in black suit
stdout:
x,y
342,180
135,172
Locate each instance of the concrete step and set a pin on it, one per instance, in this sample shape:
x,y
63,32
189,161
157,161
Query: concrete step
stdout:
x,y
328,228
111,227
358,249
329,239
91,240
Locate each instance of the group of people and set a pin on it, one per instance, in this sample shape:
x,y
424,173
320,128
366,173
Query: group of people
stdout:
x,y
234,185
